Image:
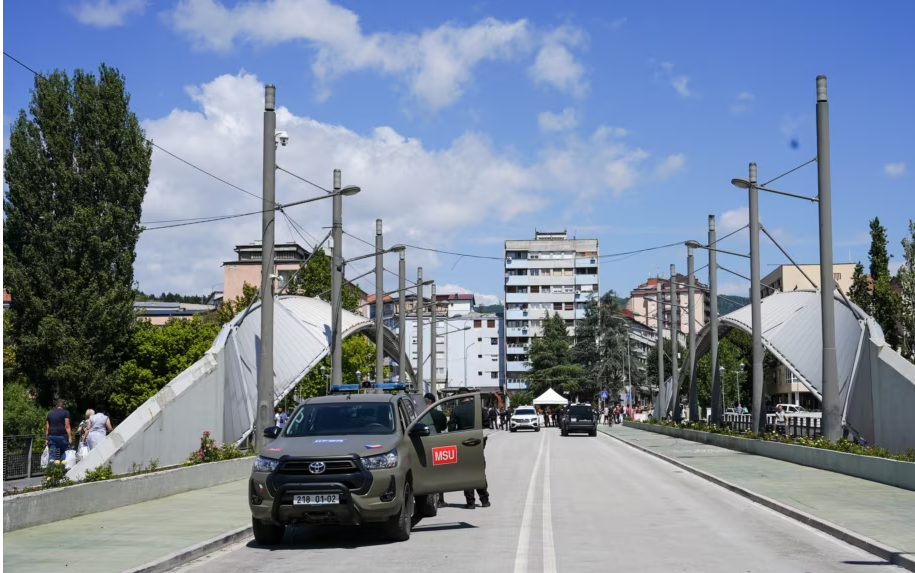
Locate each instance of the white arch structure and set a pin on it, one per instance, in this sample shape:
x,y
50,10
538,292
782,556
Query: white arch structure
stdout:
x,y
218,393
876,384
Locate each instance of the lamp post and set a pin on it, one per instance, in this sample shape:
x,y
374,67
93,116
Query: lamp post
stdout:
x,y
674,333
419,329
433,334
693,383
659,317
465,362
336,279
402,314
379,302
713,310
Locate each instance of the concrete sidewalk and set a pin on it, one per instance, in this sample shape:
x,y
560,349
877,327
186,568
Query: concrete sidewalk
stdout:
x,y
880,512
127,537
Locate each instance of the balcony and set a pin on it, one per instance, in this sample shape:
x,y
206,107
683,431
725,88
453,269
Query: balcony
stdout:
x,y
517,297
519,385
517,331
586,279
517,314
517,280
585,296
551,280
516,263
586,262
551,297
515,367
517,349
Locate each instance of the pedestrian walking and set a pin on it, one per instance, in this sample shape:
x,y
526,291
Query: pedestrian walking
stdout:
x,y
494,418
280,418
57,432
781,420
99,426
82,431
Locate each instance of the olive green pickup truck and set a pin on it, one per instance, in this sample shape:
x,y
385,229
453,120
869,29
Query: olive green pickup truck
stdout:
x,y
362,458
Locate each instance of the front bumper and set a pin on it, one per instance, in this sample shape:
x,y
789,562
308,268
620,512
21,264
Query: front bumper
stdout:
x,y
527,424
364,496
580,427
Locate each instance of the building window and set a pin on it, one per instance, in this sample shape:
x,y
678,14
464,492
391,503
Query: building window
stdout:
x,y
493,375
477,323
490,324
479,373
534,272
557,306
479,340
569,306
479,356
535,290
837,276
494,341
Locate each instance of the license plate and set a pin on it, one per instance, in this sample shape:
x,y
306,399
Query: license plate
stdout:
x,y
316,499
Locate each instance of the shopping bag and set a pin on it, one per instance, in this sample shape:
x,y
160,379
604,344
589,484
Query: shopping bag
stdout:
x,y
70,458
45,457
83,451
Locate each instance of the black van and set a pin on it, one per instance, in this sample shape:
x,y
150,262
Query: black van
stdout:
x,y
579,418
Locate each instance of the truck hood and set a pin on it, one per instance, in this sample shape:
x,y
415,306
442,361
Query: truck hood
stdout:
x,y
360,445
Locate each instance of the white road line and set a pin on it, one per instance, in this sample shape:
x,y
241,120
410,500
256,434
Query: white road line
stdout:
x,y
524,537
549,551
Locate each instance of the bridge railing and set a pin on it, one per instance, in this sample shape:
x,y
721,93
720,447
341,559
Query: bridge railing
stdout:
x,y
22,456
795,426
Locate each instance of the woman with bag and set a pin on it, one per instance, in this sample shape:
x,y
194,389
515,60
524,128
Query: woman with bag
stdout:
x,y
99,426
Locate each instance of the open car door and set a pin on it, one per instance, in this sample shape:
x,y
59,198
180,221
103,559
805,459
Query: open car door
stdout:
x,y
447,444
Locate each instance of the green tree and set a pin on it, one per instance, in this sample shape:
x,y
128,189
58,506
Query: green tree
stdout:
x,y
550,360
886,303
313,280
77,169
160,354
859,293
21,412
600,348
906,278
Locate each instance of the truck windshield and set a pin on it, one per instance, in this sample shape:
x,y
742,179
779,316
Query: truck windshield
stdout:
x,y
342,419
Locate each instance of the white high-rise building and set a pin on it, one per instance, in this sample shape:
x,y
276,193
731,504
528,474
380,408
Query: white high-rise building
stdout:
x,y
551,273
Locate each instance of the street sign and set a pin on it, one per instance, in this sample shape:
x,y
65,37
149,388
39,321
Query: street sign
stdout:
x,y
604,394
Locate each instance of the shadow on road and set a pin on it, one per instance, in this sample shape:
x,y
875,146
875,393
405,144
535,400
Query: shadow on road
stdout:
x,y
304,537
443,527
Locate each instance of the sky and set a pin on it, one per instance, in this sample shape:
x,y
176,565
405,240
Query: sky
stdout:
x,y
467,124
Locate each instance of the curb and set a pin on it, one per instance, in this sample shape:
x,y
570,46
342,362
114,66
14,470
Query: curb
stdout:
x,y
885,552
193,552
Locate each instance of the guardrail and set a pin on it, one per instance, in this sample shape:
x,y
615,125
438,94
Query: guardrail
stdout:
x,y
795,426
22,456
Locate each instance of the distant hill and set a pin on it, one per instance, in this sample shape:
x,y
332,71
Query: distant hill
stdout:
x,y
485,308
726,306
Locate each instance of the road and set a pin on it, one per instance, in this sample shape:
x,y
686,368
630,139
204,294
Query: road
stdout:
x,y
569,504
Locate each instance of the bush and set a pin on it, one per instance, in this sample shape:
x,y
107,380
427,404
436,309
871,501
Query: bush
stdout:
x,y
100,473
56,475
209,452
21,413
229,451
840,445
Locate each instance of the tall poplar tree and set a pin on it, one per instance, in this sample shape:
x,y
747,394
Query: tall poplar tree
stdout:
x,y
886,303
77,170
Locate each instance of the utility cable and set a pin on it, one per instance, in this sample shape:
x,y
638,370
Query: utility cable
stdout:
x,y
788,172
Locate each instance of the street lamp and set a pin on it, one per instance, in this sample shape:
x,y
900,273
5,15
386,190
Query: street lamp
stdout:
x,y
832,423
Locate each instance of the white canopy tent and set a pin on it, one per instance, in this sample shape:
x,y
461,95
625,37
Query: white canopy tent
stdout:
x,y
550,398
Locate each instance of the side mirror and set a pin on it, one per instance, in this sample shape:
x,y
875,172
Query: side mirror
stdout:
x,y
419,431
272,432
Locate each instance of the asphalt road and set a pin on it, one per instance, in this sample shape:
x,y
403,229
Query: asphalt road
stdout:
x,y
569,504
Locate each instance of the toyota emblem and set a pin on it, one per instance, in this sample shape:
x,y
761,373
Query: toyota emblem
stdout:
x,y
317,467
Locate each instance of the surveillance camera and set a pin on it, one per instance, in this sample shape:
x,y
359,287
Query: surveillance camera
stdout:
x,y
283,137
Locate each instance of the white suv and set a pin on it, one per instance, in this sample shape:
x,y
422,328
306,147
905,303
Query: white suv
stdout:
x,y
792,409
524,418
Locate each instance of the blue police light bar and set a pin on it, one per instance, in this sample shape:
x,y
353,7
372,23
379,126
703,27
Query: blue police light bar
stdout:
x,y
345,388
391,386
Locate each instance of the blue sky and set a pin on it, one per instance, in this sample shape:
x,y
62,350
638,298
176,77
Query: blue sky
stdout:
x,y
468,124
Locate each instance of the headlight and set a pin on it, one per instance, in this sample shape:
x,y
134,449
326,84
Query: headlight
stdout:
x,y
381,461
262,464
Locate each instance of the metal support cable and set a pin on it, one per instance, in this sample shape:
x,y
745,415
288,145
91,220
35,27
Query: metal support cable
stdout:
x,y
784,252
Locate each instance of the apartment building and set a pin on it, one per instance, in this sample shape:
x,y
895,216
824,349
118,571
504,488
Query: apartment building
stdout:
x,y
464,358
548,274
787,278
644,309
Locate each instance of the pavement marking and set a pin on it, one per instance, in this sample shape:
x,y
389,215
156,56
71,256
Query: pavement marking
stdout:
x,y
549,550
524,537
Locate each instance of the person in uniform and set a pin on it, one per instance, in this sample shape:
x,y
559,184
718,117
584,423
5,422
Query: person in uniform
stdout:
x,y
462,419
441,424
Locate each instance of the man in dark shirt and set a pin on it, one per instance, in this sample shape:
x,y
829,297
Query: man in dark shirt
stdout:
x,y
462,419
57,432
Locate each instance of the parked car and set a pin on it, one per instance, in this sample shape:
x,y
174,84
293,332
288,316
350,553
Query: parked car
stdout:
x,y
359,458
524,419
792,409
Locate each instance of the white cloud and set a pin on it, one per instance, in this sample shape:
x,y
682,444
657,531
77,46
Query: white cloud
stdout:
x,y
894,169
671,165
790,125
427,197
618,23
679,82
555,64
732,220
480,298
558,121
744,103
106,13
435,64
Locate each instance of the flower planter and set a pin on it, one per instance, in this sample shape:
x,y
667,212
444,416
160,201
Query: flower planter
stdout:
x,y
889,472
